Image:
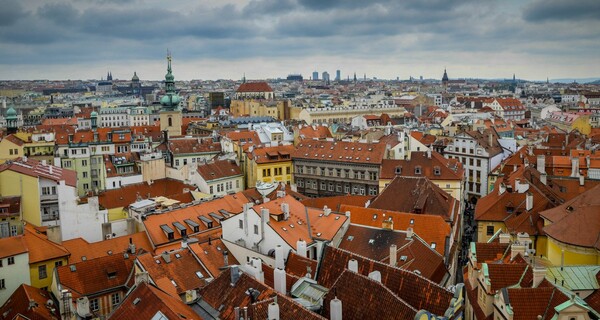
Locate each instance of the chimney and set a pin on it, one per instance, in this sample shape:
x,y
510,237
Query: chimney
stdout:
x,y
279,280
279,262
409,233
428,153
517,248
393,255
335,309
541,163
544,178
166,257
529,201
504,238
50,169
257,265
301,248
235,274
131,246
226,257
575,167
264,217
387,224
501,188
326,211
491,139
353,265
581,180
539,273
375,275
273,311
141,277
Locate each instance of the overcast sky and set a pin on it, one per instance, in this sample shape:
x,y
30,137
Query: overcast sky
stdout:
x,y
83,39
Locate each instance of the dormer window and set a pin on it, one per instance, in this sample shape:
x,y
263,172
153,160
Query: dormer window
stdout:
x,y
418,170
437,171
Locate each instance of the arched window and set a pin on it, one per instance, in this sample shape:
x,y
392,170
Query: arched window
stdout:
x,y
170,122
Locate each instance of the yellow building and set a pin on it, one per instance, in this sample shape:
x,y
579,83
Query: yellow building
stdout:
x,y
572,230
11,147
44,256
568,121
258,108
38,145
40,186
269,165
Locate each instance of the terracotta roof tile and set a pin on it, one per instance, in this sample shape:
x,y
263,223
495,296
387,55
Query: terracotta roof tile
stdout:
x,y
363,297
299,266
340,151
311,132
254,87
12,246
126,195
528,303
487,252
219,169
93,276
279,153
449,169
180,146
417,291
505,275
18,305
181,268
40,248
211,254
424,197
35,168
80,248
151,300
336,202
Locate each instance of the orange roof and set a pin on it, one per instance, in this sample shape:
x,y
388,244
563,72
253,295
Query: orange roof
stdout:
x,y
180,267
40,248
14,139
449,169
126,195
319,132
35,168
18,305
150,301
59,122
340,151
209,211
97,275
12,246
210,254
82,250
431,228
243,136
336,202
218,170
279,153
296,228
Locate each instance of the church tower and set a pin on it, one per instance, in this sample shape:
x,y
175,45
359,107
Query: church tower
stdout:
x,y
445,79
12,125
170,115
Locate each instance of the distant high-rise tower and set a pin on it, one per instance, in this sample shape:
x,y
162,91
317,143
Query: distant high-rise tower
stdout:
x,y
355,77
135,84
315,75
338,75
325,76
365,77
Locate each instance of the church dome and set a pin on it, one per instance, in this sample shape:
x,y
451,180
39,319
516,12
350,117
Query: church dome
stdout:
x,y
11,113
94,114
135,77
170,100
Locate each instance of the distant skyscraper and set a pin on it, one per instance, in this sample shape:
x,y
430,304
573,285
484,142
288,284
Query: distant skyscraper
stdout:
x,y
338,75
315,75
325,76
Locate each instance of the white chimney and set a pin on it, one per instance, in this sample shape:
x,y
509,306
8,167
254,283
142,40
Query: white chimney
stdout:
x,y
544,178
256,263
50,169
335,309
375,275
279,260
273,311
529,201
575,167
393,255
264,217
326,211
428,153
501,188
279,280
353,265
409,233
301,248
582,181
539,273
83,306
541,163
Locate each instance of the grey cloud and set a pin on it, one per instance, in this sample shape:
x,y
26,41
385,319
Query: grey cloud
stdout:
x,y
548,10
11,12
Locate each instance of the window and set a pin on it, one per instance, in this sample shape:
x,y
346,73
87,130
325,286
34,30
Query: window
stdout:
x,y
255,229
94,305
177,163
323,185
57,264
237,183
86,186
42,272
11,260
13,232
115,298
2,284
85,174
490,230
338,188
347,188
241,223
210,189
287,170
418,170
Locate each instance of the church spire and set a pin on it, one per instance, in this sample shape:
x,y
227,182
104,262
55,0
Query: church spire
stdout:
x,y
170,100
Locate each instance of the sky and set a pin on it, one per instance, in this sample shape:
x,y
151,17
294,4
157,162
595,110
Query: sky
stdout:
x,y
225,39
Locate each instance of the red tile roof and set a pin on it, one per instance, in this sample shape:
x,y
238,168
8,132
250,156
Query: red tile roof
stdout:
x,y
145,301
126,195
528,303
254,87
40,248
340,151
423,197
505,275
299,266
181,268
12,246
11,206
262,155
336,202
488,252
246,136
449,169
80,248
311,132
211,254
417,291
35,168
18,306
94,276
219,169
577,221
14,139
181,146
362,298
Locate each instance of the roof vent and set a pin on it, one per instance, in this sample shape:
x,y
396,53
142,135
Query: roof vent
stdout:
x,y
136,301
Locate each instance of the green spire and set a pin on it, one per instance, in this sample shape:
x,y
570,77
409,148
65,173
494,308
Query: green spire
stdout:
x,y
170,100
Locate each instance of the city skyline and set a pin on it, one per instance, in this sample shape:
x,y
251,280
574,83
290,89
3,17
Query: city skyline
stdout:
x,y
269,39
